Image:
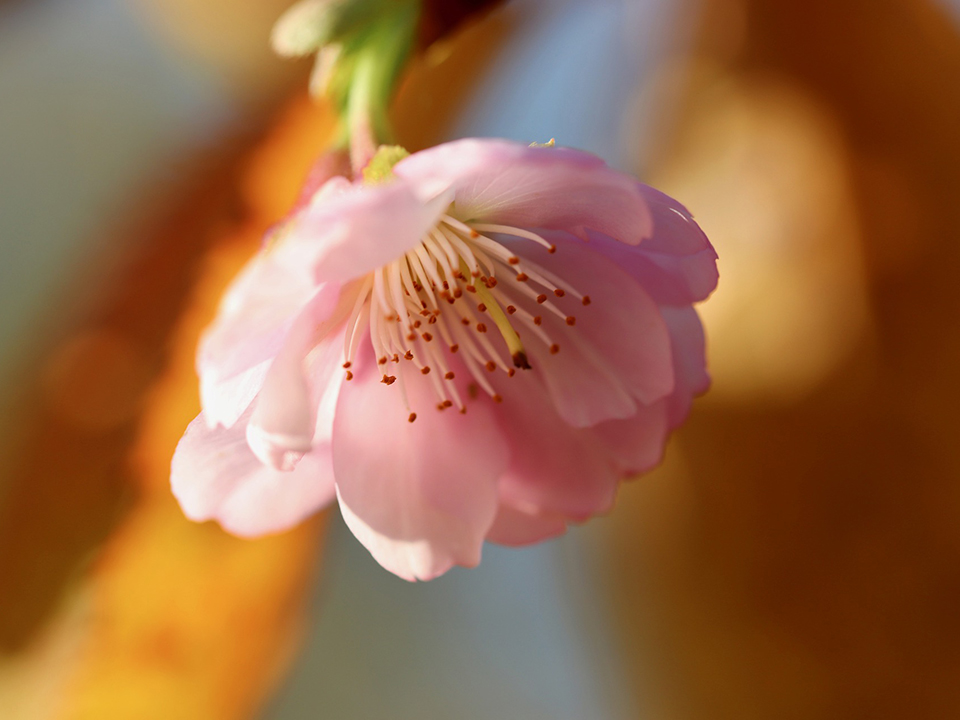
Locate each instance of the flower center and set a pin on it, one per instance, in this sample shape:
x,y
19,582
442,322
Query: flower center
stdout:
x,y
455,292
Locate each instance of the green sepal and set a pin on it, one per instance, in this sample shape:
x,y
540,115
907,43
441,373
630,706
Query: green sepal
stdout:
x,y
380,168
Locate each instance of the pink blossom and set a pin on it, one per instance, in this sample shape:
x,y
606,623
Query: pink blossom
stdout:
x,y
480,348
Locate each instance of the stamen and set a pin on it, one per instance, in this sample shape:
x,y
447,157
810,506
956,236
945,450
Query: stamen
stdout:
x,y
397,289
355,320
429,267
549,280
353,337
441,239
456,263
440,257
520,361
515,232
417,269
466,254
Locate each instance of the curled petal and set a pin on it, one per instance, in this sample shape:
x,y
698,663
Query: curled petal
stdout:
x,y
294,410
325,376
215,476
255,318
497,181
689,360
677,265
280,431
420,495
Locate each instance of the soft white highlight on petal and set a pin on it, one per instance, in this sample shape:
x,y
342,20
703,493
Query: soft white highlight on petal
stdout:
x,y
225,399
253,323
215,476
281,428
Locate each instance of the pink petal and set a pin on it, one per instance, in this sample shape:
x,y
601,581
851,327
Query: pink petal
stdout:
x,y
280,431
284,424
215,476
326,375
255,316
498,181
225,399
554,469
637,443
420,496
582,388
689,360
677,265
621,328
516,528
349,230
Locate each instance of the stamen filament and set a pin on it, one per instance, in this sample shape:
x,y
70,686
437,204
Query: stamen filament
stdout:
x,y
441,296
515,232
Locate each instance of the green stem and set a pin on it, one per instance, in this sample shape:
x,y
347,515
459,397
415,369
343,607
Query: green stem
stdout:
x,y
379,56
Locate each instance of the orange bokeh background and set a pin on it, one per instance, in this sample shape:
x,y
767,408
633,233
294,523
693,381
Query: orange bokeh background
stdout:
x,y
798,554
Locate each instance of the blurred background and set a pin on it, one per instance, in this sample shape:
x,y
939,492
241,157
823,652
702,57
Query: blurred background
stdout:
x,y
797,555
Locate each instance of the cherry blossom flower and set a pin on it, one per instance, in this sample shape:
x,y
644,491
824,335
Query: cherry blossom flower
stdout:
x,y
479,345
